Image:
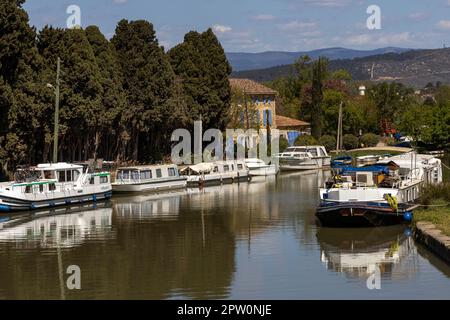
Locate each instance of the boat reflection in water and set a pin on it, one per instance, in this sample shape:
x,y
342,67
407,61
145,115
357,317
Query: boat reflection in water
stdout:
x,y
358,253
63,227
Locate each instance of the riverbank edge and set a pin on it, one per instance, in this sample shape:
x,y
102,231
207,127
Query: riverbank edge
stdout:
x,y
430,236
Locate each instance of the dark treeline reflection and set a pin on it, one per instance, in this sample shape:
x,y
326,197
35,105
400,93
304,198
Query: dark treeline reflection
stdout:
x,y
144,247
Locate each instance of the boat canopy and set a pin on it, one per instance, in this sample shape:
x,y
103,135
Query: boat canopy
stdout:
x,y
375,168
200,167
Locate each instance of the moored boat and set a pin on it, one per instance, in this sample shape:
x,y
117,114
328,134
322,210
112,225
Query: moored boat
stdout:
x,y
218,172
304,158
257,167
381,194
148,178
56,184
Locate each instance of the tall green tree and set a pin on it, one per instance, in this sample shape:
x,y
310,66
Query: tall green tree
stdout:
x,y
107,129
202,66
319,74
152,92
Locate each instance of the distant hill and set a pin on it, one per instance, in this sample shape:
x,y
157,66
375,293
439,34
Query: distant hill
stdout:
x,y
415,68
250,61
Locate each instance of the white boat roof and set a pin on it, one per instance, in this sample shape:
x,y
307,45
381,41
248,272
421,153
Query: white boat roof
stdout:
x,y
201,167
58,166
151,166
404,160
253,160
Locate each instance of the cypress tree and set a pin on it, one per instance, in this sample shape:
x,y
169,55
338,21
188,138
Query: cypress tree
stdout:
x,y
319,71
201,63
150,86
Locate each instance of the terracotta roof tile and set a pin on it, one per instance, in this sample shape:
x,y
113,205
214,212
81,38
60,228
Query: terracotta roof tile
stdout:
x,y
250,86
282,121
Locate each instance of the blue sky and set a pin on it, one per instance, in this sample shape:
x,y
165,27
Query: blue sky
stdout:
x,y
266,25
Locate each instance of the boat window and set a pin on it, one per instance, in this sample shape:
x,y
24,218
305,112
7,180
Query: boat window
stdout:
x,y
313,151
232,167
92,180
68,175
62,176
75,175
322,152
126,175
27,189
240,167
226,168
104,179
142,175
216,169
171,172
148,174
51,187
41,188
48,174
158,173
135,175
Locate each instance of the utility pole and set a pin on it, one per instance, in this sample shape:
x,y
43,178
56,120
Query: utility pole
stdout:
x,y
339,130
56,130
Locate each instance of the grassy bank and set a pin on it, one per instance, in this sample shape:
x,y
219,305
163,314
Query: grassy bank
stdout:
x,y
436,210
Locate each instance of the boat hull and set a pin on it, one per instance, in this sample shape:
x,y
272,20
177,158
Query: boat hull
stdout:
x,y
357,215
263,171
308,164
149,186
8,204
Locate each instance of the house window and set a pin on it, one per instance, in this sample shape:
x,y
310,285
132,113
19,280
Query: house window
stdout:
x,y
158,173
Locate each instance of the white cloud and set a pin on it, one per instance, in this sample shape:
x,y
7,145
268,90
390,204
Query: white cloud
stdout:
x,y
263,17
221,28
329,3
296,25
417,16
444,24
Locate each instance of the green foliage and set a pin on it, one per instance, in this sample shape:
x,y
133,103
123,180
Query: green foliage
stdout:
x,y
305,140
329,142
319,74
370,140
349,142
283,144
203,69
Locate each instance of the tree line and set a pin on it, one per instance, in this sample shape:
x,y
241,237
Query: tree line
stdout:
x,y
120,98
313,93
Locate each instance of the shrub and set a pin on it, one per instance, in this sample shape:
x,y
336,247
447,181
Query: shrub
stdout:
x,y
305,140
350,142
370,140
283,144
389,141
329,142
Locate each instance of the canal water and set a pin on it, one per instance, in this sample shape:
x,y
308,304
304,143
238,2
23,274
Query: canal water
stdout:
x,y
255,240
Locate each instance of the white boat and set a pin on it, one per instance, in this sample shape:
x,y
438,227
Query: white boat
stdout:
x,y
257,167
53,185
402,178
304,158
209,173
148,178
